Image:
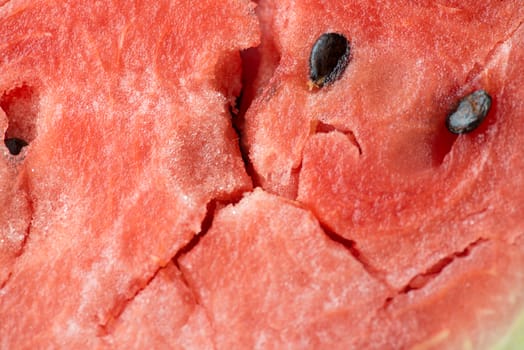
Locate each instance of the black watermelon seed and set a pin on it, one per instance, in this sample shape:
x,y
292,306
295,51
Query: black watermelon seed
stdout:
x,y
470,112
15,145
328,59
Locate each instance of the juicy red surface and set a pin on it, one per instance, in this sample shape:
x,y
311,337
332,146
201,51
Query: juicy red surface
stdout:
x,y
370,155
374,228
475,193
271,278
466,306
410,63
164,315
133,139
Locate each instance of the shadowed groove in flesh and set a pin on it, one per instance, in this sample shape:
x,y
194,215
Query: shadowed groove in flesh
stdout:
x,y
4,283
106,328
250,60
118,309
237,121
422,279
213,205
258,67
322,127
351,246
205,226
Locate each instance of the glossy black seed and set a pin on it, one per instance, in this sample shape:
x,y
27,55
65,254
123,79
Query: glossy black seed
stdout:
x,y
328,59
470,112
15,145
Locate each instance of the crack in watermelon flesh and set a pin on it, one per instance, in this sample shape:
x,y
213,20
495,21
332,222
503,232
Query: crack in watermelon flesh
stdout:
x,y
150,211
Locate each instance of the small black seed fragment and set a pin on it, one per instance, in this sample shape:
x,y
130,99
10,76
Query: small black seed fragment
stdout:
x,y
328,59
15,145
470,112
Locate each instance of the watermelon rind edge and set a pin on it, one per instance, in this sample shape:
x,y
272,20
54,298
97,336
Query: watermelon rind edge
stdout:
x,y
514,338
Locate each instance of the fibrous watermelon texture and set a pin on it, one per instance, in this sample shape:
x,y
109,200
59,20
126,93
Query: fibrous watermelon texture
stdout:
x,y
370,155
130,138
130,220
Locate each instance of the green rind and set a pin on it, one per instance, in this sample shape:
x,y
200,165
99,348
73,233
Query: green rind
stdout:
x,y
514,339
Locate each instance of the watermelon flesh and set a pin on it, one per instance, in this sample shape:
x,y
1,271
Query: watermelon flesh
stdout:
x,y
370,155
177,320
385,88
270,279
131,144
130,220
485,284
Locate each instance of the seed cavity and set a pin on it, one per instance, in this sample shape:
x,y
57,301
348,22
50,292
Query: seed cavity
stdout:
x,y
21,106
15,145
470,112
329,58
